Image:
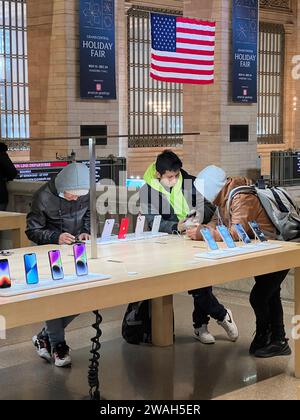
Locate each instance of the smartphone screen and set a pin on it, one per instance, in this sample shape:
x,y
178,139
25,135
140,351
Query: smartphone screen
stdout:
x,y
80,259
123,228
156,224
56,267
5,280
108,229
257,231
31,269
242,233
227,238
207,236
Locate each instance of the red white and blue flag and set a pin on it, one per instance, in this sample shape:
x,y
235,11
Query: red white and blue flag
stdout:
x,y
183,49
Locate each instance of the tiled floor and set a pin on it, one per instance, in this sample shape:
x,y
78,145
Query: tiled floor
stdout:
x,y
189,370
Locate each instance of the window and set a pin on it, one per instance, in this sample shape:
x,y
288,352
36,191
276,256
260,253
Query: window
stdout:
x,y
154,108
14,107
271,69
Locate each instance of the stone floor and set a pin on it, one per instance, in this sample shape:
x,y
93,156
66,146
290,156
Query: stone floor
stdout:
x,y
188,370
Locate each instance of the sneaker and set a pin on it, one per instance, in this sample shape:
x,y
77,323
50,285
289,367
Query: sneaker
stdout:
x,y
61,355
202,334
261,340
43,347
230,326
275,348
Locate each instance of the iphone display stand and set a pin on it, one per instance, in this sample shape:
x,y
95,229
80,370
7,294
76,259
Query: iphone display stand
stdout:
x,y
238,251
49,284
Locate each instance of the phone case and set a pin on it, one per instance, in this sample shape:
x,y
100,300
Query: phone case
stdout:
x,y
108,229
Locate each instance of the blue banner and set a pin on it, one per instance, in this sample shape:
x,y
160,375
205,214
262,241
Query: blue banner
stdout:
x,y
97,49
245,50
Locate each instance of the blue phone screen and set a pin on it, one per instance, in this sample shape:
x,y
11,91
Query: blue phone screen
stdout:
x,y
242,233
31,270
207,236
227,238
257,231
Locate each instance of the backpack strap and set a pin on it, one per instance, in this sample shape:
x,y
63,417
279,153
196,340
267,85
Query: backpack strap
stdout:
x,y
288,197
279,202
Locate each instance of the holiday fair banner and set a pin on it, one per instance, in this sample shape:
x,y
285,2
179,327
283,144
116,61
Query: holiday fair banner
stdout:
x,y
245,50
97,49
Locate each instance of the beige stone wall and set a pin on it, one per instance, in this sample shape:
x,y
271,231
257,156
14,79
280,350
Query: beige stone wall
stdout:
x,y
55,104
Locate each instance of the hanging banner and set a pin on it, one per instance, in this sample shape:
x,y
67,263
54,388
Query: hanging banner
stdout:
x,y
245,50
97,49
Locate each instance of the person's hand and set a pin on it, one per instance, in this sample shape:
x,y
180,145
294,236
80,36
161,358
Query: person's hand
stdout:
x,y
181,226
194,233
84,237
66,239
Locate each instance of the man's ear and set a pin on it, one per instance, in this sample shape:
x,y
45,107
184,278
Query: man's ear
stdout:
x,y
158,175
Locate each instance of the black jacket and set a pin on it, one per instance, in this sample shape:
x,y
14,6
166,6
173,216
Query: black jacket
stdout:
x,y
7,173
153,203
50,216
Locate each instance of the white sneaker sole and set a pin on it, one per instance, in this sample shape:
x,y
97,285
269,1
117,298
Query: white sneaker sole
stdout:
x,y
43,353
204,341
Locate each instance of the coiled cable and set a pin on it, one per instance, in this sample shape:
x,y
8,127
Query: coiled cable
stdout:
x,y
93,375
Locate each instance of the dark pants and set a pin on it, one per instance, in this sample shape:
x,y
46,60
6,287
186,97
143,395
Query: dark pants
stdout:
x,y
266,302
206,305
3,206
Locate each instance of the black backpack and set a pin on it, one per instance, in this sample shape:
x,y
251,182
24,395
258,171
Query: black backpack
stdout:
x,y
136,326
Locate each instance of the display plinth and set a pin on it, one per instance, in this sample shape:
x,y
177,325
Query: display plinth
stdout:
x,y
49,284
234,252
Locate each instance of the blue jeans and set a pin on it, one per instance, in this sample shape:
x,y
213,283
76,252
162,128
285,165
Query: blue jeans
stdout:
x,y
55,329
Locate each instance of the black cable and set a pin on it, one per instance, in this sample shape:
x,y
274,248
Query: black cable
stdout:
x,y
93,375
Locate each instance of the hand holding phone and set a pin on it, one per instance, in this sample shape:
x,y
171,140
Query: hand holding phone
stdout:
x,y
5,279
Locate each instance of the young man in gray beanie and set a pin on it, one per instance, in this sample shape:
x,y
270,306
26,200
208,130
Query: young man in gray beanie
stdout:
x,y
60,214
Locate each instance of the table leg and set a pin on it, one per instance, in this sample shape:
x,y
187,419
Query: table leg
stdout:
x,y
93,374
297,313
162,321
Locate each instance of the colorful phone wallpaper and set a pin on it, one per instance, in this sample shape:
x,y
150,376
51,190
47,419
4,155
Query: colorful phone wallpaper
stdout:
x,y
242,233
5,281
56,265
31,270
80,259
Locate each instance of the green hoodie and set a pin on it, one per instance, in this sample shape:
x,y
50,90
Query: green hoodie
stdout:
x,y
176,197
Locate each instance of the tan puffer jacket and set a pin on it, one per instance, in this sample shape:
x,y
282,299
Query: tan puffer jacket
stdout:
x,y
244,208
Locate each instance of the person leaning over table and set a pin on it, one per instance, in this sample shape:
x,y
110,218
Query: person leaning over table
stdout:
x,y
60,215
170,192
270,339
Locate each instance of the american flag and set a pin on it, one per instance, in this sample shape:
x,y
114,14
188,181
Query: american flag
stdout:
x,y
182,49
